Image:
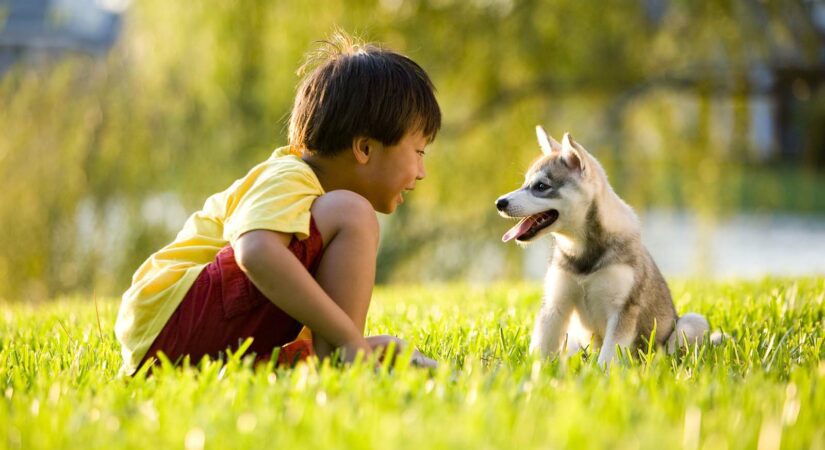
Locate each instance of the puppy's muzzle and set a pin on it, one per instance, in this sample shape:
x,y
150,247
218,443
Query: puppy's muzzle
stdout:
x,y
501,203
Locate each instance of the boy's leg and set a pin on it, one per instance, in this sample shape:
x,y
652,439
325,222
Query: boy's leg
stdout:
x,y
349,228
223,308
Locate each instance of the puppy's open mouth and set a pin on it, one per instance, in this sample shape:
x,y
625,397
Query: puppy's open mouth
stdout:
x,y
528,227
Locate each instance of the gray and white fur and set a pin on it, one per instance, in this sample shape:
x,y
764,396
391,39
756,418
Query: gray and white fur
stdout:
x,y
599,270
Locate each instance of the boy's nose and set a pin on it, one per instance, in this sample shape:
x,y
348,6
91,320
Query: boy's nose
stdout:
x,y
501,203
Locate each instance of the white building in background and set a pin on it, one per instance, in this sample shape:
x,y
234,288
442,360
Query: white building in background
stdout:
x,y
33,30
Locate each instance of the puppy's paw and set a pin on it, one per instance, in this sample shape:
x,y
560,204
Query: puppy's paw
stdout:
x,y
606,359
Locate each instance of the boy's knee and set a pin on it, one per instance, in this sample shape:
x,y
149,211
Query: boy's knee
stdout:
x,y
344,210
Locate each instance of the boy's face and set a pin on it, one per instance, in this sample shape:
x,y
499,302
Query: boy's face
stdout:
x,y
393,170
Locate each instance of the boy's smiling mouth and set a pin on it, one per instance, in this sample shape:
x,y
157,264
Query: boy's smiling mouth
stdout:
x,y
403,193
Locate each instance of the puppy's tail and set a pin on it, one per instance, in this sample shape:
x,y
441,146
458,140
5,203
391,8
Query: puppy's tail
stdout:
x,y
690,330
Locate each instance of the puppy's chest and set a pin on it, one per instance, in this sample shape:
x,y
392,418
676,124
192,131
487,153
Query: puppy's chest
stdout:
x,y
602,294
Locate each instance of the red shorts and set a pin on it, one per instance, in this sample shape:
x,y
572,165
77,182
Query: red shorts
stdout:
x,y
223,308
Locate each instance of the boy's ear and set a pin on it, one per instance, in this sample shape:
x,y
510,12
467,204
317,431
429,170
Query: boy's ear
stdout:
x,y
361,149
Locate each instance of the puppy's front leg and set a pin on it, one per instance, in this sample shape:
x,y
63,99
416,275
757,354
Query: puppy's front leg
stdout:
x,y
621,331
551,321
550,328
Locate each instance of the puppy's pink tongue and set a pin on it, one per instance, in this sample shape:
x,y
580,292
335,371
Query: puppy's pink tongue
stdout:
x,y
518,230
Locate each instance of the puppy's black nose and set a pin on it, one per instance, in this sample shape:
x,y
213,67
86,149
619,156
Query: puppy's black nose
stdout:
x,y
501,203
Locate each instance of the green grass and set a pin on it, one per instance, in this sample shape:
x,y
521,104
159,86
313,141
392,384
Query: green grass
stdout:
x,y
765,388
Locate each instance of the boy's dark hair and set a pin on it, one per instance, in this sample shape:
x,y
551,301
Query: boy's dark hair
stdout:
x,y
360,90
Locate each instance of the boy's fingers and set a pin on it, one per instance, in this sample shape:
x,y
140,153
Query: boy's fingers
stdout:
x,y
420,360
381,342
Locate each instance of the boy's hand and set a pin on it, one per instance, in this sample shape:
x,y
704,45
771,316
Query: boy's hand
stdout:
x,y
419,360
381,342
349,352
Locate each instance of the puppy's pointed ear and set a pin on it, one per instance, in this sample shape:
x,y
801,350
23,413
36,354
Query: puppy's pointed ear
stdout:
x,y
572,154
547,143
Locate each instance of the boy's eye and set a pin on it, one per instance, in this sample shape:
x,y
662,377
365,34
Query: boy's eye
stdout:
x,y
420,152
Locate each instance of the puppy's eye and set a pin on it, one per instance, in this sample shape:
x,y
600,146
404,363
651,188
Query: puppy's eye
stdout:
x,y
541,186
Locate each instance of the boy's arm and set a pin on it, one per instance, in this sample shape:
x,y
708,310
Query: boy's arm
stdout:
x,y
265,258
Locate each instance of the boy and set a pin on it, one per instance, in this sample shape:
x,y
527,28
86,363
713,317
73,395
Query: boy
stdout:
x,y
294,242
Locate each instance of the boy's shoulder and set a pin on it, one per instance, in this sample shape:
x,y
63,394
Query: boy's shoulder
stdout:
x,y
285,160
286,151
285,163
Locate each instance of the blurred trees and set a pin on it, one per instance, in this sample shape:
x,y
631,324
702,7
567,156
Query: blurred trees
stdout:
x,y
101,161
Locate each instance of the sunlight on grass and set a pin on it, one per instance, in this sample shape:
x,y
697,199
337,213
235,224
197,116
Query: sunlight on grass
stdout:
x,y
758,389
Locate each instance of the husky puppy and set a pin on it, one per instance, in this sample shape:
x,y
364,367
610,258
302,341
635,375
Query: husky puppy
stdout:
x,y
599,268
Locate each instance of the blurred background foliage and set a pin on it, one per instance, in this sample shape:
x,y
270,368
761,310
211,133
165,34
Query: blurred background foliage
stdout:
x,y
102,157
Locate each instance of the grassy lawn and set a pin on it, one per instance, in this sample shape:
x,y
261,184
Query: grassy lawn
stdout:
x,y
764,389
